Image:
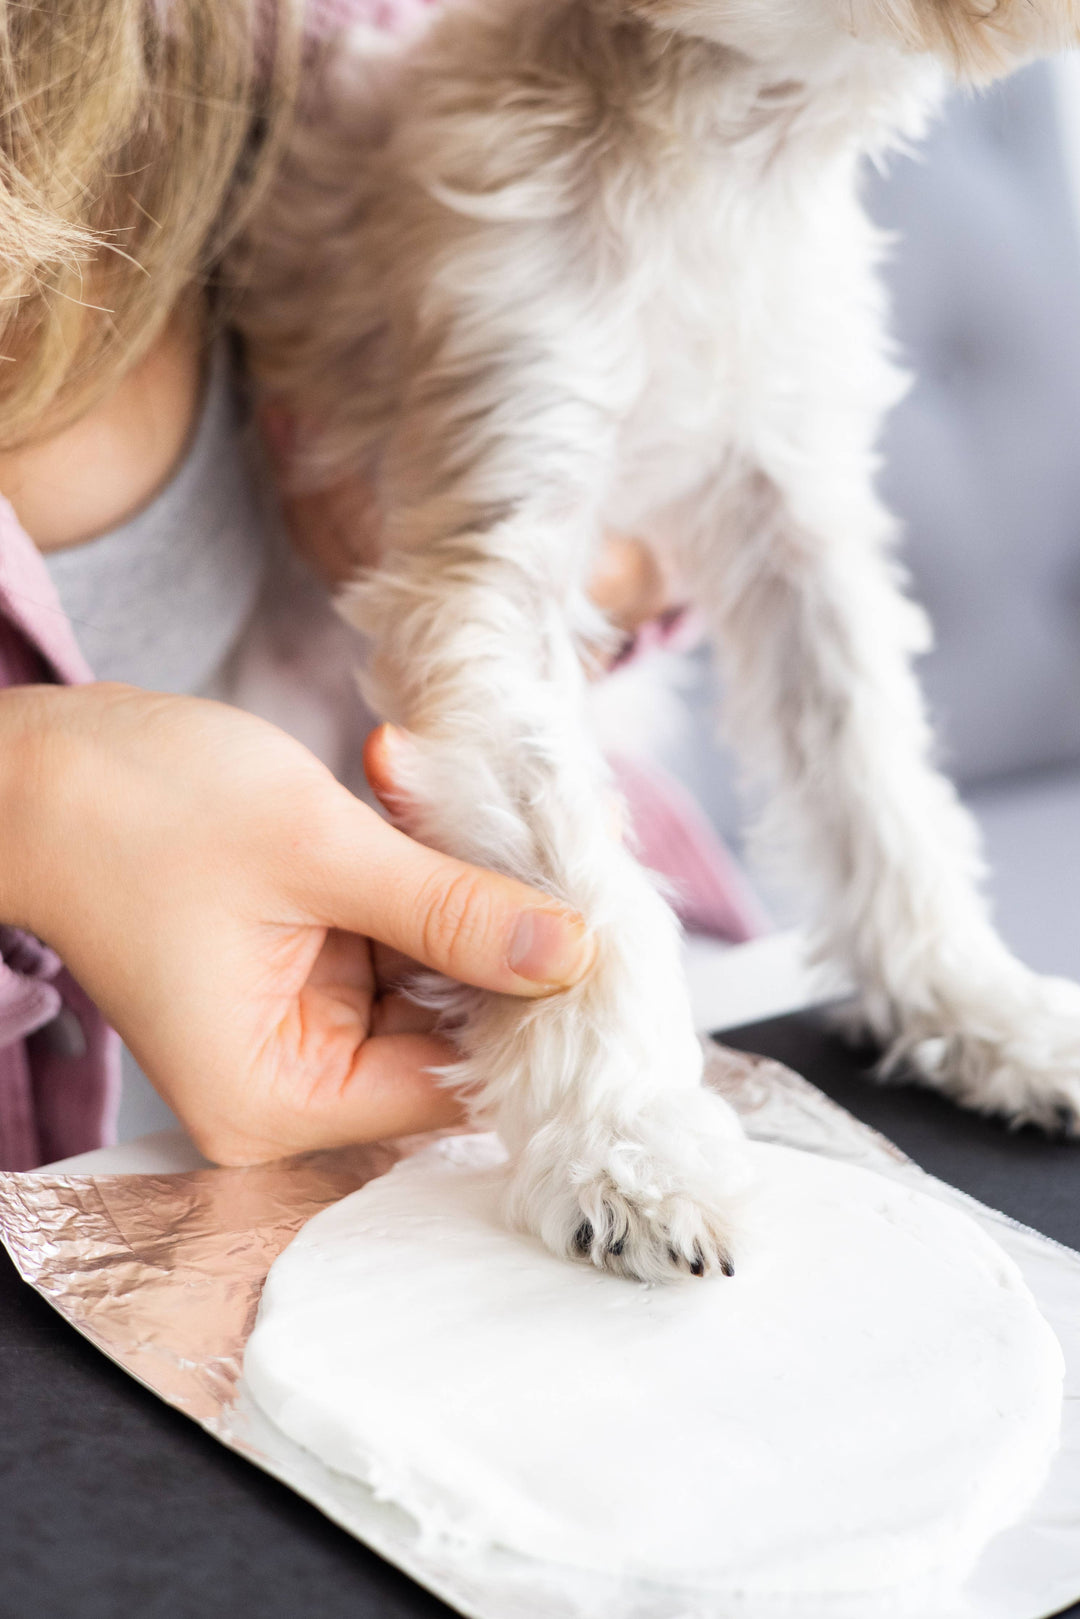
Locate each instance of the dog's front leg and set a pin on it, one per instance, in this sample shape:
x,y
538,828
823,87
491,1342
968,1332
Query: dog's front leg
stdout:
x,y
620,1155
817,637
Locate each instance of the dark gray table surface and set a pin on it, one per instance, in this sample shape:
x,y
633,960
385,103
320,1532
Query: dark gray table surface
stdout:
x,y
114,1505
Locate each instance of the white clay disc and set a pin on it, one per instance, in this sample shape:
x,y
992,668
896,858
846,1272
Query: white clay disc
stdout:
x,y
869,1399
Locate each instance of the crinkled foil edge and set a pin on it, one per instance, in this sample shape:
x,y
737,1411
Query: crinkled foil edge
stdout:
x,y
163,1274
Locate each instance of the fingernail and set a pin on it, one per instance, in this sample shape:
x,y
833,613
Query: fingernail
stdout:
x,y
550,947
394,741
398,749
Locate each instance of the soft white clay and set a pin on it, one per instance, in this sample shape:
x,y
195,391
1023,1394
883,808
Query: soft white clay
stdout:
x,y
870,1398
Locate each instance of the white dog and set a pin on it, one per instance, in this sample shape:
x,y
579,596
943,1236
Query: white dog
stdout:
x,y
562,264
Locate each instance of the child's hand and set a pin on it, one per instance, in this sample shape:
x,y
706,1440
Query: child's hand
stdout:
x,y
217,892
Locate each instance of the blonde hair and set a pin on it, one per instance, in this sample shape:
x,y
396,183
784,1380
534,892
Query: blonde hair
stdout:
x,y
134,137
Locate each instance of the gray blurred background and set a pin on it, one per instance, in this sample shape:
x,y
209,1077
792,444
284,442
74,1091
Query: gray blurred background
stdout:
x,y
982,461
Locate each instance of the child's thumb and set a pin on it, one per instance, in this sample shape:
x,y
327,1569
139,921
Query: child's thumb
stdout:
x,y
473,925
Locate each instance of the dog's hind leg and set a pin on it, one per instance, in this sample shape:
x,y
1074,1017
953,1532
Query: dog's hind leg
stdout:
x,y
817,637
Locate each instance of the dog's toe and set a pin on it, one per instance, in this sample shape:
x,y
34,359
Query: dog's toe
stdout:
x,y
649,1195
652,1240
583,1238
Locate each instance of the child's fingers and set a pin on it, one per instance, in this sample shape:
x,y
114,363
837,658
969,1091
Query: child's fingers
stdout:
x,y
627,583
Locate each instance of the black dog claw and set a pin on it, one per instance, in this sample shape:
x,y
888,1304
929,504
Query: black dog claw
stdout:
x,y
583,1237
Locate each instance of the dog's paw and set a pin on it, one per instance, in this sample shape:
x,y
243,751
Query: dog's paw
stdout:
x,y
649,1193
1013,1051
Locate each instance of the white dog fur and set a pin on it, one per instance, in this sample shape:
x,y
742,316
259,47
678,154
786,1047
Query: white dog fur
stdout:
x,y
561,264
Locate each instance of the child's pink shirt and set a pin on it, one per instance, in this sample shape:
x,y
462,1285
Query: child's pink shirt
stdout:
x,y
59,1062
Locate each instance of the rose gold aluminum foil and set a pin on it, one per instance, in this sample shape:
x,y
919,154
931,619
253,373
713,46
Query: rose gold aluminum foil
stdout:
x,y
164,1272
